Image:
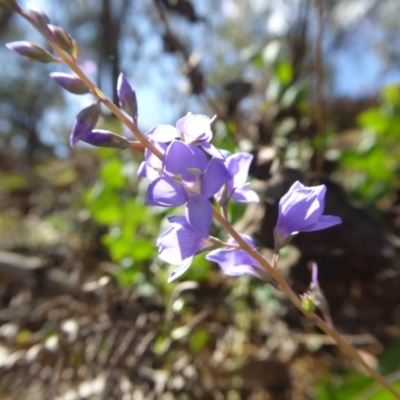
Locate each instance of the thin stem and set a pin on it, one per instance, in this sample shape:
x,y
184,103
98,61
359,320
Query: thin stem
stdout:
x,y
275,256
329,330
224,212
319,99
68,60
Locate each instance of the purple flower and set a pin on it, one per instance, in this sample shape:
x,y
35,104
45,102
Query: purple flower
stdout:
x,y
178,245
188,178
127,97
85,121
300,210
238,166
151,167
236,262
192,129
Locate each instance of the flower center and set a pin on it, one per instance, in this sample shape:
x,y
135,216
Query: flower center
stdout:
x,y
193,187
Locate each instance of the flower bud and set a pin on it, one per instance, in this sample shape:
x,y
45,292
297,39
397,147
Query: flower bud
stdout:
x,y
308,302
63,39
31,51
85,121
69,82
40,20
103,138
127,97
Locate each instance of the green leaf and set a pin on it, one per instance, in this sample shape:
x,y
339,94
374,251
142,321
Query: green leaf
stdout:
x,y
112,175
198,339
374,119
284,72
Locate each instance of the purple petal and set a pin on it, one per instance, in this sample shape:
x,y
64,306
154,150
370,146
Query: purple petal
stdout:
x,y
195,127
181,269
145,170
178,243
165,192
245,195
178,220
180,157
233,262
212,150
151,167
199,214
163,133
325,221
216,175
314,277
238,166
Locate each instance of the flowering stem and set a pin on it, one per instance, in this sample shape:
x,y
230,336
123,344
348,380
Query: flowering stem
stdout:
x,y
324,326
68,60
275,257
224,212
221,218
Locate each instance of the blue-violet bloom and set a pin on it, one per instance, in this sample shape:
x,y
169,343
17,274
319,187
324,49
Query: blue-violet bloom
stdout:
x,y
236,262
178,245
192,129
301,210
189,178
238,166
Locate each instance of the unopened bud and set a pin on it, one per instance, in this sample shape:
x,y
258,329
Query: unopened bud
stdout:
x,y
40,20
102,138
69,82
308,302
127,97
31,51
63,39
85,121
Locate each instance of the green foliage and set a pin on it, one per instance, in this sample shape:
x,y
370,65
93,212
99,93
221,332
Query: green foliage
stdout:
x,y
371,169
132,227
354,385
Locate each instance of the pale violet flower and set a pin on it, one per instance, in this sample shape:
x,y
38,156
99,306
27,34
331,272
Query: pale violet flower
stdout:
x,y
236,262
301,210
192,129
188,178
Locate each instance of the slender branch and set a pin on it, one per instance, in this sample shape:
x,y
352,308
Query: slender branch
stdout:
x,y
319,98
342,343
186,57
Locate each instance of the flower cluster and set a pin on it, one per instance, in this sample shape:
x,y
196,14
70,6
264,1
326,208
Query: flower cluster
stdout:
x,y
188,170
191,173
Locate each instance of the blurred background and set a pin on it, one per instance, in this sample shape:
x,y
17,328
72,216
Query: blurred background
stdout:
x,y
311,88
